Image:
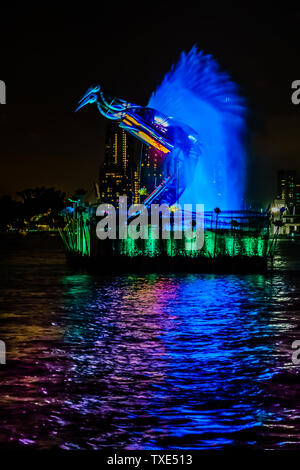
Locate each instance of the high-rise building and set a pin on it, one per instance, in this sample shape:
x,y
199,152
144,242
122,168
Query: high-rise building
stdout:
x,y
128,166
151,169
119,175
289,188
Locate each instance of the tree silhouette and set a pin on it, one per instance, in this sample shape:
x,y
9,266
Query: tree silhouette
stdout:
x,y
12,213
42,203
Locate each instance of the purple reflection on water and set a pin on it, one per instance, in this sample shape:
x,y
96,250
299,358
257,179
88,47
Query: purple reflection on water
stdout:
x,y
146,362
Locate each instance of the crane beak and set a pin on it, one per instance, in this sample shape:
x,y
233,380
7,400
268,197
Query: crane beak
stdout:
x,y
86,97
85,100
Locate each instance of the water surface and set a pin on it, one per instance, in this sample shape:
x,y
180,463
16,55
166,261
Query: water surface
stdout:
x,y
146,361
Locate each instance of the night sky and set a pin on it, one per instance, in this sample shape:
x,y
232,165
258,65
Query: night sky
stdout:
x,y
49,57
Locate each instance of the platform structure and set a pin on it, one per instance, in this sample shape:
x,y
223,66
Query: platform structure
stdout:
x,y
233,241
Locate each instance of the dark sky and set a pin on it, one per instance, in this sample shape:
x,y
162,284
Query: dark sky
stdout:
x,y
49,57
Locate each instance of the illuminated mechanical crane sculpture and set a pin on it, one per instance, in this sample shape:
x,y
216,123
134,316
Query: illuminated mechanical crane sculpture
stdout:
x,y
175,141
195,119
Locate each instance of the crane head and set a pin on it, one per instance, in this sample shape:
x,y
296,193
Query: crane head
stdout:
x,y
89,97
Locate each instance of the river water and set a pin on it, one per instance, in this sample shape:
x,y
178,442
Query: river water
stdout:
x,y
147,361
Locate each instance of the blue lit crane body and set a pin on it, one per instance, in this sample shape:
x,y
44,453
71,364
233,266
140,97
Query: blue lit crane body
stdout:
x,y
175,141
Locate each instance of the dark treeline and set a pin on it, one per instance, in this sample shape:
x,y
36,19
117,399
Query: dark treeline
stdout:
x,y
39,209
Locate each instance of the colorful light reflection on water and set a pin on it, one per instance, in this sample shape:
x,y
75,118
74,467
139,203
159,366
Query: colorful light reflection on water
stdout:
x,y
147,362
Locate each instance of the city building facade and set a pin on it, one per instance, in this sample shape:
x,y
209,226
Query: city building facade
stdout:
x,y
288,189
286,207
130,168
119,174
